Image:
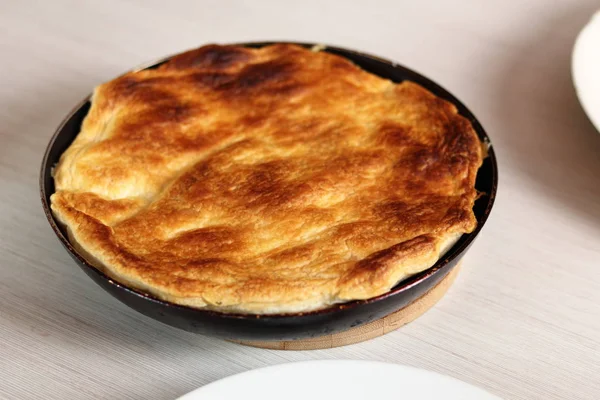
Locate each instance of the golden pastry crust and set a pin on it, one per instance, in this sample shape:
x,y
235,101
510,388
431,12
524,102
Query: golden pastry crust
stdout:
x,y
266,180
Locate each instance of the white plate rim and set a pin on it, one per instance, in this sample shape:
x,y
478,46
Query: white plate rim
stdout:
x,y
406,372
584,43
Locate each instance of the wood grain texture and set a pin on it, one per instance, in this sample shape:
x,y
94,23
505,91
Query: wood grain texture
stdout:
x,y
523,318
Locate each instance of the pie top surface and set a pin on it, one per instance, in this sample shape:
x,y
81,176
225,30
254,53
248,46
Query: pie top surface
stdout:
x,y
266,180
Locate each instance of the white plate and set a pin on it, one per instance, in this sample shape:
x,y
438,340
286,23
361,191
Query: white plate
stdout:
x,y
586,69
331,380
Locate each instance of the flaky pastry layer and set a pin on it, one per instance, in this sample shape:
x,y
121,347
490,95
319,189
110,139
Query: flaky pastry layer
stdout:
x,y
266,180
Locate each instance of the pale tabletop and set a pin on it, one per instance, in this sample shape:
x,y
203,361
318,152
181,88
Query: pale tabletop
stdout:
x,y
522,320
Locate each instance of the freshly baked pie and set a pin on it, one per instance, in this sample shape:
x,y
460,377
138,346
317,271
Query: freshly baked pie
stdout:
x,y
266,180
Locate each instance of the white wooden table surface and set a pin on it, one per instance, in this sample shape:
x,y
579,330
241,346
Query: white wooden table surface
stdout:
x,y
523,319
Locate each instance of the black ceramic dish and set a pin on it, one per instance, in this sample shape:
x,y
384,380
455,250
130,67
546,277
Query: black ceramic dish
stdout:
x,y
284,326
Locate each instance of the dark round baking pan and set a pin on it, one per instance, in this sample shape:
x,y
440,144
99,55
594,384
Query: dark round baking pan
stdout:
x,y
283,326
